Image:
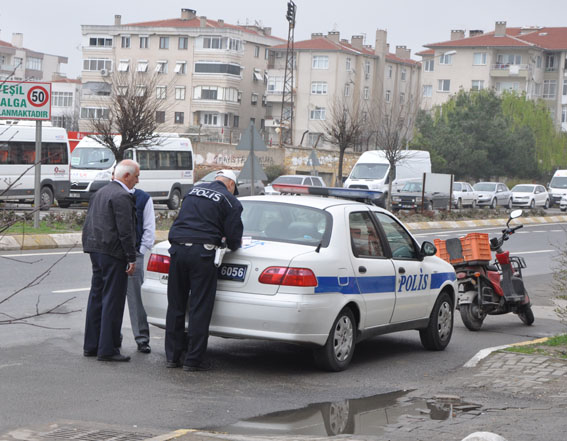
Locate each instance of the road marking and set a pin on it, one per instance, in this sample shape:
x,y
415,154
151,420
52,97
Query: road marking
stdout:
x,y
62,291
41,254
533,252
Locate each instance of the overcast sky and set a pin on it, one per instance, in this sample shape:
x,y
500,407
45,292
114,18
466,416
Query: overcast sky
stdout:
x,y
54,26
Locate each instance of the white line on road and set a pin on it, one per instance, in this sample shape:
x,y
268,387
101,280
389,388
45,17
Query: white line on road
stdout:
x,y
533,252
41,254
62,291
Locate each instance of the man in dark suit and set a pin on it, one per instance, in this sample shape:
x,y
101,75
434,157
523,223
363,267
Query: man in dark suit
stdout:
x,y
109,236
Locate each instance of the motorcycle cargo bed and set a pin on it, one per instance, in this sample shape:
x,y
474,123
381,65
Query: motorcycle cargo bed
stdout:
x,y
470,249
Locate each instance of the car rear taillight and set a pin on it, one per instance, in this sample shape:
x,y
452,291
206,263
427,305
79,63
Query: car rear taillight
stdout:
x,y
158,263
279,275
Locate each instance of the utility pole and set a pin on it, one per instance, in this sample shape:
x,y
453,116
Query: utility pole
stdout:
x,y
286,120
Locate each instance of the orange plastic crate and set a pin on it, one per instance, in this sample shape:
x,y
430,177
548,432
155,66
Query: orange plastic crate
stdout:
x,y
475,246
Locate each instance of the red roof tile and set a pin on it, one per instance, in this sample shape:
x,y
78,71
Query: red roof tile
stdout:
x,y
396,59
6,44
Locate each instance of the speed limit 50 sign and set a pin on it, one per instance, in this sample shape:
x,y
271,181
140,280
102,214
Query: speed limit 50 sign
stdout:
x,y
25,100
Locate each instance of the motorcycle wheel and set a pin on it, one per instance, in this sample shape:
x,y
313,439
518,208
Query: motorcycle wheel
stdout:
x,y
526,315
471,316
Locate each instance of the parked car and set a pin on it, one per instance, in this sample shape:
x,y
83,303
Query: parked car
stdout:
x,y
323,272
244,186
530,195
493,194
464,195
563,203
316,181
411,197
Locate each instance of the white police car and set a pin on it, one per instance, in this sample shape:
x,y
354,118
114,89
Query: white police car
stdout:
x,y
322,271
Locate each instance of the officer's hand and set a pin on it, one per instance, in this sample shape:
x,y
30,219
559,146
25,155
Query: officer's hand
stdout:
x,y
131,268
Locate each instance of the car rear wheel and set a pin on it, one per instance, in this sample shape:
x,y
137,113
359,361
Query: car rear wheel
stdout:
x,y
460,204
509,204
546,206
45,198
339,348
438,333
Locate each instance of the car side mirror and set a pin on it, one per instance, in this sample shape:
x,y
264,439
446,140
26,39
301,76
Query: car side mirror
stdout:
x,y
428,249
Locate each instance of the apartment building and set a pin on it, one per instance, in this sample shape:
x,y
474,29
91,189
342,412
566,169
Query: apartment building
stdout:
x,y
20,64
530,60
328,68
65,103
211,74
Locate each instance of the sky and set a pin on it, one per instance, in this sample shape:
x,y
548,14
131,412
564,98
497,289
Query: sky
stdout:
x,y
54,26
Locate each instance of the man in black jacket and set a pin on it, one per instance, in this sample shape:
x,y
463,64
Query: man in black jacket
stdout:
x,y
209,213
109,236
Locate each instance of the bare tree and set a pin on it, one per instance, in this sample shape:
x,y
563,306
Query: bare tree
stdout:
x,y
344,126
132,111
392,128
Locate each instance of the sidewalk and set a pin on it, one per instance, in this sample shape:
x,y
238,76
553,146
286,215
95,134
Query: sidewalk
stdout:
x,y
43,241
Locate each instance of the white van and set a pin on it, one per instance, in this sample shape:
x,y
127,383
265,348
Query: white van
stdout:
x,y
557,187
166,170
372,169
17,156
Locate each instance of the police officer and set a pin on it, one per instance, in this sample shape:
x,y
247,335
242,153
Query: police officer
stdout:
x,y
209,213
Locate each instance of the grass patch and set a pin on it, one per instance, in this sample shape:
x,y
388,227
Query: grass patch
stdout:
x,y
24,227
555,347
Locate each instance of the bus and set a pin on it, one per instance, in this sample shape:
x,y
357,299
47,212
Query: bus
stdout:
x,y
166,169
17,158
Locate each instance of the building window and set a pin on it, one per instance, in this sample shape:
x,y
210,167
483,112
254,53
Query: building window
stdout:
x,y
389,71
320,62
262,123
402,97
253,121
97,64
367,69
256,51
538,61
123,66
144,42
443,85
427,91
211,119
164,42
254,99
275,84
429,65
550,62
217,68
212,42
564,114
182,43
564,87
387,96
62,99
403,74
125,42
122,90
317,114
161,92
348,68
477,85
161,67
264,100
94,113
549,89
179,117
160,116
140,90
257,75
206,93
508,59
231,94
266,53
347,89
479,59
179,92
235,121
366,93
142,66
319,88
181,67
235,44
446,59
100,42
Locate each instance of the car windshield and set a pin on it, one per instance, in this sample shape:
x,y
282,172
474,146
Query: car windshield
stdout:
x,y
286,223
523,189
412,186
559,182
294,180
483,186
457,186
87,158
369,171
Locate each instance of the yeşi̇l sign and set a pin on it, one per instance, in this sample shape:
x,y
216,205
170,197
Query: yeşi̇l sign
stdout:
x,y
25,100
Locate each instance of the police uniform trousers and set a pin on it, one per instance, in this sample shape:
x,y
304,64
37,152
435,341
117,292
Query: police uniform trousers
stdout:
x,y
105,307
191,270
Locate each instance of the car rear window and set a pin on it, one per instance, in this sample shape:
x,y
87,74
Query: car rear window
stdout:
x,y
286,223
295,180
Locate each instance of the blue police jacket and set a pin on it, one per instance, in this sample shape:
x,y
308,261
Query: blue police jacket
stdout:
x,y
208,213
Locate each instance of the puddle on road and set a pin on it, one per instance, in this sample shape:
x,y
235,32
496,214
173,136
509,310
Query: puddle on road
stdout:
x,y
373,415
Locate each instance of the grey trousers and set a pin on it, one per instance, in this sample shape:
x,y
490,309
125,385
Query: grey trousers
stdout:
x,y
138,317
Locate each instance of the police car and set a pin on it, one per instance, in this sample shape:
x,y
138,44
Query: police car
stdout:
x,y
322,271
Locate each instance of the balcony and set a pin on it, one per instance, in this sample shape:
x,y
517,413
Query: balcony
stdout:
x,y
510,70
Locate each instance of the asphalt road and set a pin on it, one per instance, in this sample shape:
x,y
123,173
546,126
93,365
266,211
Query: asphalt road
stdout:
x,y
44,377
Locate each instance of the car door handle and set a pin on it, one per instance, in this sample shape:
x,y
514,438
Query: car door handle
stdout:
x,y
361,269
401,270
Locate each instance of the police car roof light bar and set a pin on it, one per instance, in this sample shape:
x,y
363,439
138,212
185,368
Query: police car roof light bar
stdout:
x,y
370,196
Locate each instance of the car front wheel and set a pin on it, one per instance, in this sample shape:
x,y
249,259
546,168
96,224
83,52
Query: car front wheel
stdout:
x,y
438,333
339,348
509,204
174,200
493,203
546,206
532,204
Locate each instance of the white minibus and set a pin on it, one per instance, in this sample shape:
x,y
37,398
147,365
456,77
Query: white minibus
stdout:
x,y
17,156
166,169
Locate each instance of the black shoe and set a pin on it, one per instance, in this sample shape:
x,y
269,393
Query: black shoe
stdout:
x,y
144,348
173,364
203,366
115,357
89,353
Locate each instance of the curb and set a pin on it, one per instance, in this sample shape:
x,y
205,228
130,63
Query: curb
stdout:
x,y
70,240
483,353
